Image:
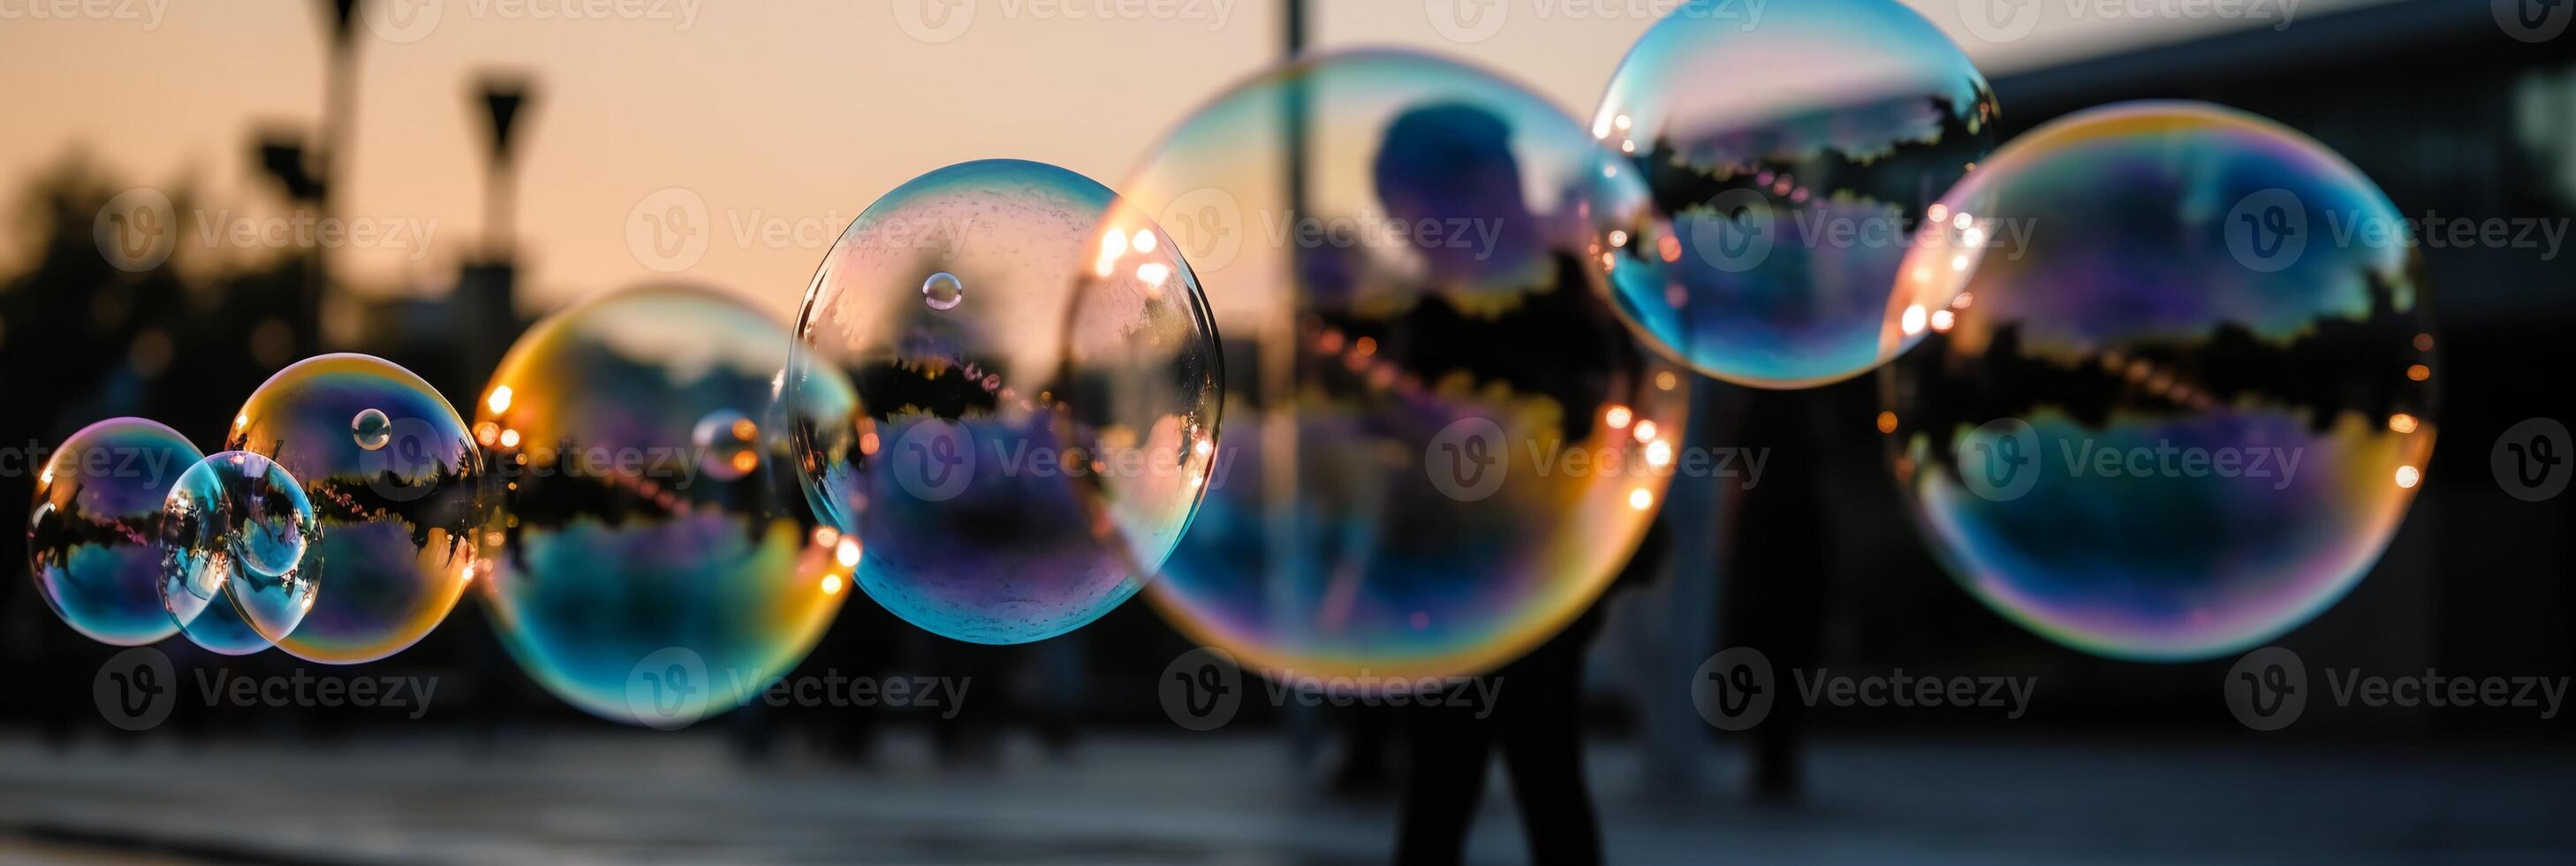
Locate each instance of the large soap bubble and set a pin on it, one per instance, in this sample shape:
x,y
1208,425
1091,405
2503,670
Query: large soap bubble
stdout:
x,y
1798,156
235,529
2188,414
94,531
651,561
395,481
1040,384
1441,443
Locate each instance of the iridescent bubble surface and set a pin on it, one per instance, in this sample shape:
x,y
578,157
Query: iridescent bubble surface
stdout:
x,y
397,518
94,533
616,555
1797,158
1419,347
1040,387
235,528
2186,417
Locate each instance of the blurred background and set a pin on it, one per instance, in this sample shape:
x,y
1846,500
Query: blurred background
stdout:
x,y
516,158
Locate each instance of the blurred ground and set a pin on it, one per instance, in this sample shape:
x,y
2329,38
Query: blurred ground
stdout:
x,y
1213,799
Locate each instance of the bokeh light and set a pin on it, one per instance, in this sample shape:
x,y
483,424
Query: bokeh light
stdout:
x,y
1407,258
2183,421
1798,160
1040,384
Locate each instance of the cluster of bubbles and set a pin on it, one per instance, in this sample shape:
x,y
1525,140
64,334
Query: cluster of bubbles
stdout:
x,y
997,412
343,472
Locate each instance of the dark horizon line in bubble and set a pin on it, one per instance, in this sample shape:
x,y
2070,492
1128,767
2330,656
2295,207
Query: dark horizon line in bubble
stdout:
x,y
1679,185
2298,374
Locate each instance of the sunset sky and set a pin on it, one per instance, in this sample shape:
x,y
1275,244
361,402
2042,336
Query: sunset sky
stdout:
x,y
784,119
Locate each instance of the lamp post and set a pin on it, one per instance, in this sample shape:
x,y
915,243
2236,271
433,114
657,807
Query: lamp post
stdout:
x,y
487,291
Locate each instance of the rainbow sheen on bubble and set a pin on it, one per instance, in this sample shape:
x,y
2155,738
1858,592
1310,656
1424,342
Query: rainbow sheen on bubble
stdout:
x,y
616,555
1797,159
396,482
235,529
94,529
2184,419
1416,343
1040,383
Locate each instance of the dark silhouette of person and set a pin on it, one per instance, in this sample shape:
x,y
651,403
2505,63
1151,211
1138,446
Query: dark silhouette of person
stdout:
x,y
1537,721
1450,164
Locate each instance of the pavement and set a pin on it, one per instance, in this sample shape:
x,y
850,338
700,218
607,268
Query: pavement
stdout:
x,y
619,797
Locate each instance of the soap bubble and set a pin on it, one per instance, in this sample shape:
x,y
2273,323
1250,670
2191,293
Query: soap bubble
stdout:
x,y
1798,159
94,533
2188,417
1417,349
397,517
371,429
235,528
1040,386
616,551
